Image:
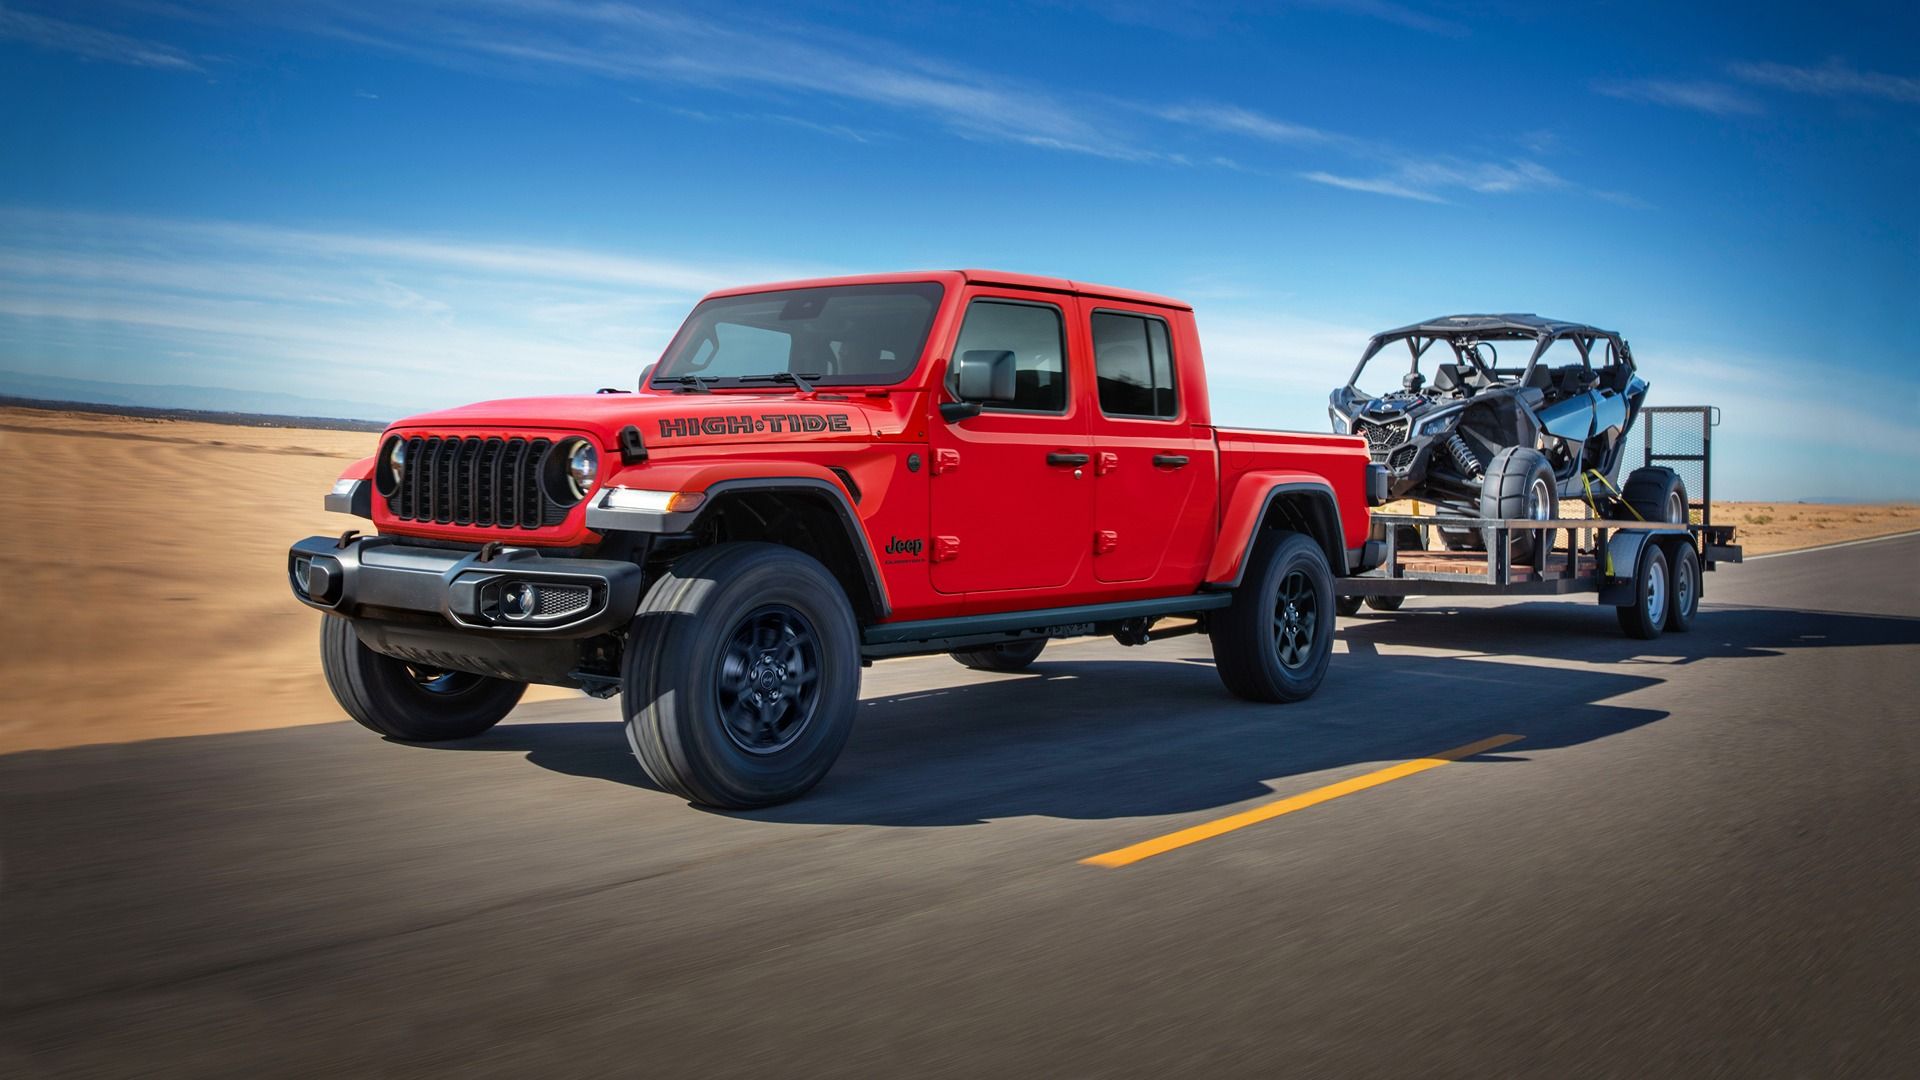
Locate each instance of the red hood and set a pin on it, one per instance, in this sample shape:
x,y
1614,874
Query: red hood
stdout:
x,y
667,420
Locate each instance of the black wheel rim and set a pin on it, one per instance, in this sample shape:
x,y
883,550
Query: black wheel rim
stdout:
x,y
442,683
767,682
1296,621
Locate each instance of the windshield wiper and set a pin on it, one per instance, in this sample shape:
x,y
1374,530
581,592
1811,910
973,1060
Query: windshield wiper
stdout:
x,y
696,384
797,378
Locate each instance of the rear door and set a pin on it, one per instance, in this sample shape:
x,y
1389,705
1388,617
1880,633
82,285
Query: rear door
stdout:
x,y
1012,488
1153,472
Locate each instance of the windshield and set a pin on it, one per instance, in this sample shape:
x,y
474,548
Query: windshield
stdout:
x,y
837,335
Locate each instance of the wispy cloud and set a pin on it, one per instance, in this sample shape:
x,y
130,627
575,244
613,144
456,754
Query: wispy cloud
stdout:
x,y
1718,99
1234,120
1835,78
1373,186
417,320
1388,11
90,42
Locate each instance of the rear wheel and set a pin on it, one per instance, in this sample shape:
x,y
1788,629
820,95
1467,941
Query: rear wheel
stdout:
x,y
1520,484
1012,656
1653,593
1275,640
1386,603
1463,539
406,701
1348,606
741,676
1656,494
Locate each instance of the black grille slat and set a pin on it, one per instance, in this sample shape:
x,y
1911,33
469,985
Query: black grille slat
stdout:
x,y
492,482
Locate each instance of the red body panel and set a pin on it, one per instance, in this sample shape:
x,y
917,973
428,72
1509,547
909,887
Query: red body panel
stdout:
x,y
966,517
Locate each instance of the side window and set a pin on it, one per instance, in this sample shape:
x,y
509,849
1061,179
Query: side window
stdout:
x,y
1133,357
1036,336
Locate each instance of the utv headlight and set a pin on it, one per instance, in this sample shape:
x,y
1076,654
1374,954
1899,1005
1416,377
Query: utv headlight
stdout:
x,y
1434,425
583,467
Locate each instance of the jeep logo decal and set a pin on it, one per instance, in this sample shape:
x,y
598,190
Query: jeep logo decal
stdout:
x,y
897,546
681,427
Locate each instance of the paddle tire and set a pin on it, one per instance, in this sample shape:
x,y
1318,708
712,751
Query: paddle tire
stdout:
x,y
1520,484
406,702
741,676
1656,494
1646,617
1275,640
1010,657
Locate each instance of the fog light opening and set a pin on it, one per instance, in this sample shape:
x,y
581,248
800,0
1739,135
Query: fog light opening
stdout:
x,y
519,600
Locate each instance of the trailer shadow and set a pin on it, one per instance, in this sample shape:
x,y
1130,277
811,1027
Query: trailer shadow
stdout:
x,y
1106,738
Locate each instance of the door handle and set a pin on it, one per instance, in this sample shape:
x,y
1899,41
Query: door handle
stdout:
x,y
1061,457
1169,461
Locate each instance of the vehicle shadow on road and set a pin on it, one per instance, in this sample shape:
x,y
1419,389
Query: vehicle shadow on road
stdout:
x,y
1559,631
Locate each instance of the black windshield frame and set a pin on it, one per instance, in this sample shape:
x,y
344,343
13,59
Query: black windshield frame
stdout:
x,y
899,319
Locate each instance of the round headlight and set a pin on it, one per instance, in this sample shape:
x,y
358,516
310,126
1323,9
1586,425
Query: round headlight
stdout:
x,y
391,470
583,468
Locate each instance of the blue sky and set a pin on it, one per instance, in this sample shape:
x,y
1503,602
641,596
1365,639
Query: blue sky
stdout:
x,y
416,204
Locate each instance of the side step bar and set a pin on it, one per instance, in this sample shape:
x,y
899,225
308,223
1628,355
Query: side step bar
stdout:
x,y
938,635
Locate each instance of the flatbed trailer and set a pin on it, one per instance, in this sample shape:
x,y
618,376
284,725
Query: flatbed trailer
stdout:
x,y
1651,572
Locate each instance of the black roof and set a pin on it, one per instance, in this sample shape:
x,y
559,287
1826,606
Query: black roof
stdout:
x,y
1496,326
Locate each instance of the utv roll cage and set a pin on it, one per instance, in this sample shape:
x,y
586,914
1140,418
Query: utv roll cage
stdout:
x,y
1465,333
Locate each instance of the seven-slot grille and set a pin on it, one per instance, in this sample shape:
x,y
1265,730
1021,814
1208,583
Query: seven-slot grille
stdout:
x,y
1382,437
492,482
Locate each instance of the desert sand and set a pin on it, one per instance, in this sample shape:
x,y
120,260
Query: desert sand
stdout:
x,y
147,575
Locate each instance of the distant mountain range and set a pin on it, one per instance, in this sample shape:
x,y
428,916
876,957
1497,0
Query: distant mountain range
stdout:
x,y
195,398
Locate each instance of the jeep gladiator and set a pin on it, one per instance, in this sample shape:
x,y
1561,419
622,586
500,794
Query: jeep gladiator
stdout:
x,y
814,475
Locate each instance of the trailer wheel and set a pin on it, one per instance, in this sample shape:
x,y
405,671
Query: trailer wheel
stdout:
x,y
1012,656
1685,567
1348,606
742,675
1386,603
405,701
1273,643
1653,596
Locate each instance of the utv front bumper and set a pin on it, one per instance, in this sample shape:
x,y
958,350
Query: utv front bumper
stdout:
x,y
507,592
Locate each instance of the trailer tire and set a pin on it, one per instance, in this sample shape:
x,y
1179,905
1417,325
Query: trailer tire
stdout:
x,y
1348,606
1007,657
1386,603
408,702
1646,617
742,675
1685,567
1520,484
1273,643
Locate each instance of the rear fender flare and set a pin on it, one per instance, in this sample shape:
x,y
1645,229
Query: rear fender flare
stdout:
x,y
1251,510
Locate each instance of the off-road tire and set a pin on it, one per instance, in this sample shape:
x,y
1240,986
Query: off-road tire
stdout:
x,y
1348,606
1386,603
1652,596
1517,482
1656,494
1247,635
1683,566
404,702
677,656
1009,657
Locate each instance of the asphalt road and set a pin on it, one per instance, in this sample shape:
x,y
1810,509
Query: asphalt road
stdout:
x,y
1700,859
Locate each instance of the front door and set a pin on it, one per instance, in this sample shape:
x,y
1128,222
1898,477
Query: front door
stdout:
x,y
1012,488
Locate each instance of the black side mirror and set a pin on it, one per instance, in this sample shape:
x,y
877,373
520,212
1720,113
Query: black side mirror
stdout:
x,y
645,374
984,375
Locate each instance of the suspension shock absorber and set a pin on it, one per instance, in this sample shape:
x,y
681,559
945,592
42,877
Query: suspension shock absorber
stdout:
x,y
1464,458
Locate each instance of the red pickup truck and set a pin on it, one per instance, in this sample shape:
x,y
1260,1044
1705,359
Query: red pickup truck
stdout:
x,y
816,474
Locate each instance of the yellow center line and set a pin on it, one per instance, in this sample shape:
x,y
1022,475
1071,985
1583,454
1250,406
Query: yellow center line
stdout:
x,y
1146,849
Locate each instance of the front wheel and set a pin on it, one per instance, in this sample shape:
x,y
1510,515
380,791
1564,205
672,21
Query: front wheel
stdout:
x,y
1273,643
742,675
406,701
1653,592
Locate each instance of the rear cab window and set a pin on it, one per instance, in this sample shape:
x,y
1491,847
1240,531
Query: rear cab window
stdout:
x,y
1133,365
